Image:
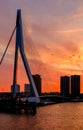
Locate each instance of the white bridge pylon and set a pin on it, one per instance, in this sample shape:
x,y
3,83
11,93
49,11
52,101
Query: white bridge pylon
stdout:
x,y
20,45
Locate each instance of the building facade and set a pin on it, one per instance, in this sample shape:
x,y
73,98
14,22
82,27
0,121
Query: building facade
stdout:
x,y
75,86
15,89
65,85
27,89
37,80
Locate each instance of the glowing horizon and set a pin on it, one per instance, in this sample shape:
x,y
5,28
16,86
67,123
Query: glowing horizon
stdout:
x,y
56,29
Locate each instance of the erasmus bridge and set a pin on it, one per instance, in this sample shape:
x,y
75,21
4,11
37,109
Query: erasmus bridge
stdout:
x,y
19,46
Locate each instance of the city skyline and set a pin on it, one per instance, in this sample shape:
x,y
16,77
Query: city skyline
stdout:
x,y
70,86
56,29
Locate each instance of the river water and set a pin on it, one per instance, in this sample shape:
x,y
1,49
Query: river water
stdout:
x,y
64,116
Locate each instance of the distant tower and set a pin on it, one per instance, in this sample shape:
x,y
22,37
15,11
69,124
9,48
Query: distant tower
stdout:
x,y
75,86
65,85
37,80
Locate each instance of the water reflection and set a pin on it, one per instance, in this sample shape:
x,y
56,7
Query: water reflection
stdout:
x,y
67,116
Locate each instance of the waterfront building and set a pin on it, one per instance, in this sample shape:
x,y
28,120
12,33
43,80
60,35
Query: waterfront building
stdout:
x,y
37,80
15,88
27,89
75,86
65,85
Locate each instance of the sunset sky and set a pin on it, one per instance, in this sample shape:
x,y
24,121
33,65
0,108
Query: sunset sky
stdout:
x,y
53,39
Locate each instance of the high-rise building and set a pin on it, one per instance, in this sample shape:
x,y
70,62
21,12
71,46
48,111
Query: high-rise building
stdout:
x,y
15,89
37,80
75,85
65,85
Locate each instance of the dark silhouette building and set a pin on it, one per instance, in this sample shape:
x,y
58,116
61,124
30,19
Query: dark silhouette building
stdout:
x,y
37,80
75,86
15,88
65,85
27,89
